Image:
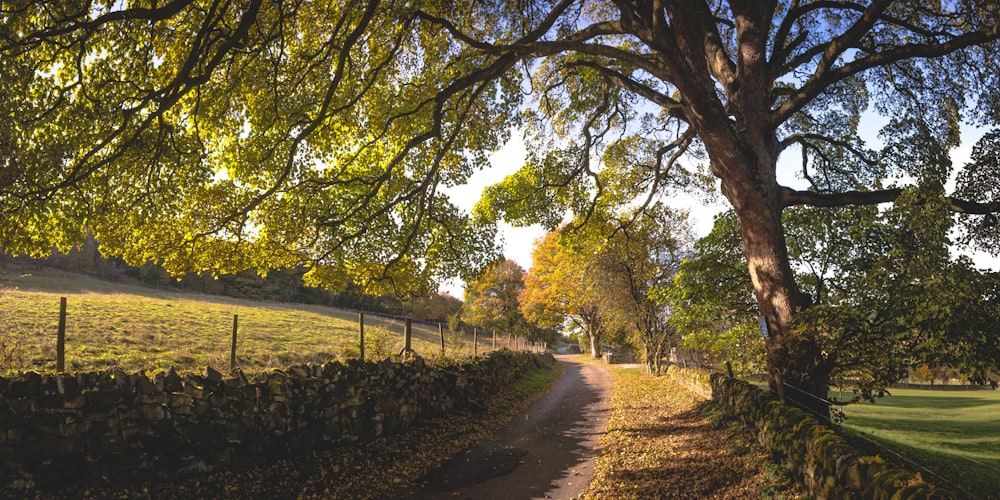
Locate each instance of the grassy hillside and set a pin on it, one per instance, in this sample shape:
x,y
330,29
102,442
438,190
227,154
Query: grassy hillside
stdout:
x,y
954,434
136,328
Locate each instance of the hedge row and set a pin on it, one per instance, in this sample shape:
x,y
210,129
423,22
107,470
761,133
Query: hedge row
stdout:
x,y
114,424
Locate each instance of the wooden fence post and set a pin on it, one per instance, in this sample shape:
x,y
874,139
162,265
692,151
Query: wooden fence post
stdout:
x,y
407,334
475,341
361,335
494,339
232,350
441,332
780,386
61,337
508,340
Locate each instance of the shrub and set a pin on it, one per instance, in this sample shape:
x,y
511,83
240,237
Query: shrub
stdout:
x,y
378,343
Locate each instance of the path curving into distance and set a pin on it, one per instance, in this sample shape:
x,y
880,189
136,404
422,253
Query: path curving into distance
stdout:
x,y
545,452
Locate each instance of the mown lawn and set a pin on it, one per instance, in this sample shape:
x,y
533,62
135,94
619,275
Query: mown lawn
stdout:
x,y
141,328
955,434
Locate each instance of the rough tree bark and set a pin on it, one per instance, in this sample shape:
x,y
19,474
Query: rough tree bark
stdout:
x,y
743,149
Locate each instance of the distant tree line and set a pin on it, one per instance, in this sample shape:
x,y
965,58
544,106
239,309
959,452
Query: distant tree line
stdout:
x,y
279,285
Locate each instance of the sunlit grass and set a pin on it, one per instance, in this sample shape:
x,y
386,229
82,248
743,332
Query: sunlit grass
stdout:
x,y
955,434
139,328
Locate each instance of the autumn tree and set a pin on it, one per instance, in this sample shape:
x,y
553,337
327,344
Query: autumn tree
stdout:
x,y
636,93
562,286
630,257
269,133
491,300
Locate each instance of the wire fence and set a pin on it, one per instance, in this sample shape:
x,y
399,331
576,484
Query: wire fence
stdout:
x,y
252,342
802,400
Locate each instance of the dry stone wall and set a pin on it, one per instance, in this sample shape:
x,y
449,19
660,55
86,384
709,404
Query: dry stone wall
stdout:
x,y
692,379
826,465
114,424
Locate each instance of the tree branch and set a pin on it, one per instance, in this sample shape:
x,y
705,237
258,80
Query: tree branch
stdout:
x,y
824,79
802,138
139,13
791,197
625,82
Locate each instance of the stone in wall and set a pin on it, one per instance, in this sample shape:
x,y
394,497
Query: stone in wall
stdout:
x,y
115,424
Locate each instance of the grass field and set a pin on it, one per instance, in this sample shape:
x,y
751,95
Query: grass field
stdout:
x,y
955,434
141,328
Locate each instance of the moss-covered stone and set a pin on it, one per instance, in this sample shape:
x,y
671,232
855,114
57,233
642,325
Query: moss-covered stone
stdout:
x,y
819,458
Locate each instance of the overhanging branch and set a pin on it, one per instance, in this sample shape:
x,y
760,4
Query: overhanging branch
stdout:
x,y
791,197
674,107
826,75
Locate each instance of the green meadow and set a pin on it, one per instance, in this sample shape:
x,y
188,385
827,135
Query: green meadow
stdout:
x,y
140,328
954,434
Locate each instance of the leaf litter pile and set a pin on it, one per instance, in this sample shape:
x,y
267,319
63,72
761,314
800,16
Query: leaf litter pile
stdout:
x,y
374,469
662,441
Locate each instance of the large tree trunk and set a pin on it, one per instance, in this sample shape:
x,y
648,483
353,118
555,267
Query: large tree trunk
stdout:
x,y
749,183
742,144
793,360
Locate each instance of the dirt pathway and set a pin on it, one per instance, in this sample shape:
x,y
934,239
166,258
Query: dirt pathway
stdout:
x,y
547,452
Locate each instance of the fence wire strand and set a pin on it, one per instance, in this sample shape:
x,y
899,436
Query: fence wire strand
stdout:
x,y
881,446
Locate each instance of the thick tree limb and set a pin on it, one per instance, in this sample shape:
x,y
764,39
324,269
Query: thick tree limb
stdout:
x,y
823,80
541,49
791,197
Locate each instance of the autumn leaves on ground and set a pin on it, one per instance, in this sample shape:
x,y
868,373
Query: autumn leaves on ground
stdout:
x,y
664,442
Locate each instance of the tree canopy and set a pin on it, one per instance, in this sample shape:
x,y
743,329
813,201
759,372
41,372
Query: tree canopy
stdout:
x,y
563,286
491,300
222,136
273,132
628,259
